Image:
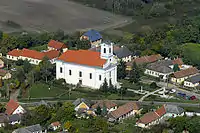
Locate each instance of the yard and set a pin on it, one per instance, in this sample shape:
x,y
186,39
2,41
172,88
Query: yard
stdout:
x,y
41,90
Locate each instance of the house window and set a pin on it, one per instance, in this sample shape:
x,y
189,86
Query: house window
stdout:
x,y
80,74
104,50
109,50
90,75
100,77
110,74
61,70
70,72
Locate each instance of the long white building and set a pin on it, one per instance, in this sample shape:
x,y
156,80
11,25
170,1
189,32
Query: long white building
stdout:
x,y
89,68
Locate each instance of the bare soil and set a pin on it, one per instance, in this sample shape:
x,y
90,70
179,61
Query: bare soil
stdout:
x,y
51,15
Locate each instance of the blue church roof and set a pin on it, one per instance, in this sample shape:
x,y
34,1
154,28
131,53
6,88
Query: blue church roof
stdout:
x,y
93,35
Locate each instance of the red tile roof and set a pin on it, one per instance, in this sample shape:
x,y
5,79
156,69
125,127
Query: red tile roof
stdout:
x,y
34,54
178,61
107,104
124,109
145,59
11,106
83,57
186,72
161,111
57,123
15,52
57,45
52,54
148,118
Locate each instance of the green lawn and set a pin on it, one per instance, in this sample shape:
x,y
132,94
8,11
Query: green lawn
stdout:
x,y
39,90
191,52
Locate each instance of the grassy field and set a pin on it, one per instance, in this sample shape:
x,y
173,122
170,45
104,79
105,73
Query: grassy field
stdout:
x,y
191,51
51,15
41,90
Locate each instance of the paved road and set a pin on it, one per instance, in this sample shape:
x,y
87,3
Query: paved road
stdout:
x,y
172,86
125,101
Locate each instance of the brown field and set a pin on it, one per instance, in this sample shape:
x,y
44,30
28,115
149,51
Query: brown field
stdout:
x,y
51,15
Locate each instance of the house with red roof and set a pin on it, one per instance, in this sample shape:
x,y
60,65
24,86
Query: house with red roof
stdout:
x,y
109,105
33,56
125,111
55,125
180,76
88,68
164,112
56,45
13,107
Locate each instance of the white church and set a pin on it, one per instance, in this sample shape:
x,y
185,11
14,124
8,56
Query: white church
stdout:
x,y
88,68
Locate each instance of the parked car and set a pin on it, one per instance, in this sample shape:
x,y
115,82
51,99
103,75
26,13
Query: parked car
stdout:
x,y
193,98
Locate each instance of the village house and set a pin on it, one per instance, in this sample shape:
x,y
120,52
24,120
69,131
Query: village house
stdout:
x,y
143,60
30,129
55,125
160,69
12,107
119,52
87,68
34,57
109,105
4,74
82,103
180,76
83,108
93,36
1,63
161,114
124,111
15,119
3,119
56,45
192,81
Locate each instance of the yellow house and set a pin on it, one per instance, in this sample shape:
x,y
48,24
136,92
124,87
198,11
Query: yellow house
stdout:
x,y
82,103
180,76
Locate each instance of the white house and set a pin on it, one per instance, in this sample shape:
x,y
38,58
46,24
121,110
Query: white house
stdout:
x,y
192,81
12,107
34,57
160,69
88,68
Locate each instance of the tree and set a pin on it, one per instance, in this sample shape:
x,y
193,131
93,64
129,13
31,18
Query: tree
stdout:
x,y
104,110
153,85
135,73
46,68
104,87
98,110
27,66
20,75
176,68
82,44
59,35
121,70
111,88
65,113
